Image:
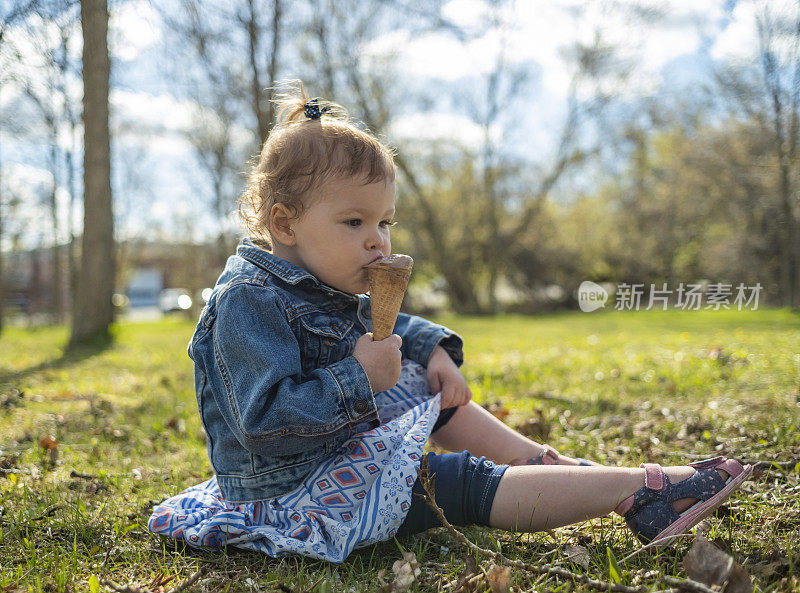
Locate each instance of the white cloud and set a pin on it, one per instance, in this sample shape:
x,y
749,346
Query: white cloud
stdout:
x,y
162,124
739,41
157,123
28,190
469,14
432,127
133,27
152,112
539,31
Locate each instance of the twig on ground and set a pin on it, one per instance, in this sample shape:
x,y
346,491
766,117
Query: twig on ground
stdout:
x,y
191,580
762,467
105,560
48,513
688,585
158,581
460,586
314,586
547,395
123,588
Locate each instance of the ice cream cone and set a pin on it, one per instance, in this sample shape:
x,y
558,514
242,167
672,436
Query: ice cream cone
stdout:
x,y
388,278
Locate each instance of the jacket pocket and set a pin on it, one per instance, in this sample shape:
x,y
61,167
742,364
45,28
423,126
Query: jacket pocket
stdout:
x,y
324,339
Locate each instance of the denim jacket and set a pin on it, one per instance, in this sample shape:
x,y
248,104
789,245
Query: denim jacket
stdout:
x,y
277,385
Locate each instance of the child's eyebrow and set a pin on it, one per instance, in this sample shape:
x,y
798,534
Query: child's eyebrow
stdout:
x,y
362,211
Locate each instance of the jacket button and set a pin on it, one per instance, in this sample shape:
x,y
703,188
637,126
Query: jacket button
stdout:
x,y
360,406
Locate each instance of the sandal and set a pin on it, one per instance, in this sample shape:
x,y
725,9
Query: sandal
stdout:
x,y
547,457
650,513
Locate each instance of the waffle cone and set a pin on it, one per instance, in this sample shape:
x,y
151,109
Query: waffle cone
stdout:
x,y
388,279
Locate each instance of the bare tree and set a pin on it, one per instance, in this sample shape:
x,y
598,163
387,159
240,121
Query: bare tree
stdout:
x,y
262,70
93,312
2,236
213,144
784,100
767,92
47,90
229,92
8,19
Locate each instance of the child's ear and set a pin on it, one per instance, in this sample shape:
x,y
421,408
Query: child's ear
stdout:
x,y
280,219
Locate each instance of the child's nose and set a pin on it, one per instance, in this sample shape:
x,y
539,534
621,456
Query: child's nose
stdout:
x,y
375,239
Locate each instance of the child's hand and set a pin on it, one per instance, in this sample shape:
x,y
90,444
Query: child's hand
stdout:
x,y
444,376
381,360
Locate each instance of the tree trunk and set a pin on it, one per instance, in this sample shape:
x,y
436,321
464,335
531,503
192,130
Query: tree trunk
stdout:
x,y
273,60
253,33
2,262
784,149
56,302
93,312
72,247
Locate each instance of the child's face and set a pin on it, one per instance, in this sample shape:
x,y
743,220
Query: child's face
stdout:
x,y
343,230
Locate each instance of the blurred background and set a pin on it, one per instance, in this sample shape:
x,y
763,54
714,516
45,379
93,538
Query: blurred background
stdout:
x,y
540,143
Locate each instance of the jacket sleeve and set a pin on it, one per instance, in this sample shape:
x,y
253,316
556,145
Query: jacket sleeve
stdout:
x,y
421,336
258,383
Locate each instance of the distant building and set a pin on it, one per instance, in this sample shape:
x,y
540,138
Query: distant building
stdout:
x,y
144,287
144,270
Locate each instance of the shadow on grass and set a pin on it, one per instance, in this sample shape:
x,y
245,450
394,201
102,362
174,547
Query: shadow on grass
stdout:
x,y
73,354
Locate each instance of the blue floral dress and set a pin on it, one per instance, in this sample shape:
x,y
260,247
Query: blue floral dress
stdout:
x,y
357,497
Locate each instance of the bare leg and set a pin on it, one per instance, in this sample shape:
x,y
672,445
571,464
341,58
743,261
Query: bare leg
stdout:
x,y
479,432
535,498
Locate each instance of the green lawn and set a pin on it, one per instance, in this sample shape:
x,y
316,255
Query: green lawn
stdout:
x,y
621,388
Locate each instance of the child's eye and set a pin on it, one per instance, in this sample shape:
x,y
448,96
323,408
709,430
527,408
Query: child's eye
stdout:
x,y
353,222
388,223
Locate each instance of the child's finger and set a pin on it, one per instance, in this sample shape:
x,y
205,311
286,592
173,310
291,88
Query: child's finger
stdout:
x,y
394,340
447,396
467,395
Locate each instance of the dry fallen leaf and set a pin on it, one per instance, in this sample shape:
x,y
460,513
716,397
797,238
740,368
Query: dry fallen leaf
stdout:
x,y
498,577
497,409
536,428
382,584
50,444
177,425
708,564
464,584
577,554
405,572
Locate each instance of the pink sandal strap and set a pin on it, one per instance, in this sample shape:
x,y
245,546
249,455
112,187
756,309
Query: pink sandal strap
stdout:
x,y
730,466
654,477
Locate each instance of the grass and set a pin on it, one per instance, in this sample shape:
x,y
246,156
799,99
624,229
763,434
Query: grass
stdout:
x,y
621,388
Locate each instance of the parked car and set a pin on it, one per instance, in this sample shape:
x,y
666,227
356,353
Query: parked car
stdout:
x,y
174,300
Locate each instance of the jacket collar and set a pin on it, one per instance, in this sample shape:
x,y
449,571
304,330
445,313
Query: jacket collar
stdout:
x,y
286,271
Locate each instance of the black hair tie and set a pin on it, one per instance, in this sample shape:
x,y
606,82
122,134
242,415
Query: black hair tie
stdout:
x,y
312,109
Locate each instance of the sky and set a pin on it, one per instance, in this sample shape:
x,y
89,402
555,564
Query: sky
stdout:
x,y
156,179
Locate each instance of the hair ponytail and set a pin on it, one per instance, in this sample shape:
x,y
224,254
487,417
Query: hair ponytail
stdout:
x,y
291,105
312,141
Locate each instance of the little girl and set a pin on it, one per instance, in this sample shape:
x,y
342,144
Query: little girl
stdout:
x,y
315,430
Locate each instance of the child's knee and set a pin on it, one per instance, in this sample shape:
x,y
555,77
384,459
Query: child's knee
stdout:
x,y
464,486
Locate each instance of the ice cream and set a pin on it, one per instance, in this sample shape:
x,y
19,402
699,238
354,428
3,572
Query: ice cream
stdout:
x,y
388,278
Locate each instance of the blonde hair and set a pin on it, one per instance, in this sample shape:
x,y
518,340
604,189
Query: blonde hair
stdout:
x,y
301,153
